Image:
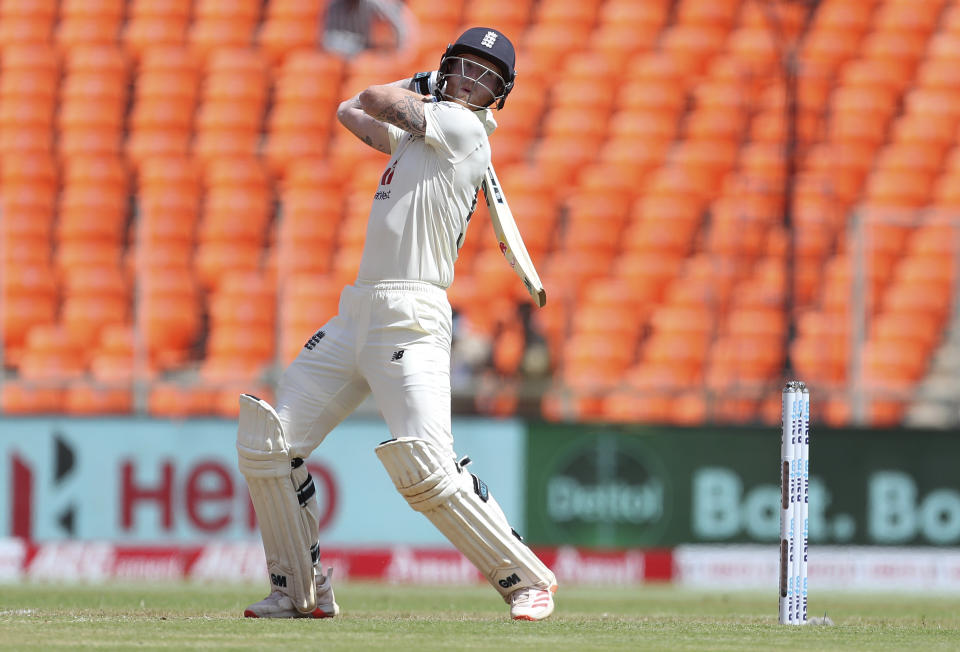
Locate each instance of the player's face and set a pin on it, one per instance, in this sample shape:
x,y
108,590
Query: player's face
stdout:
x,y
471,80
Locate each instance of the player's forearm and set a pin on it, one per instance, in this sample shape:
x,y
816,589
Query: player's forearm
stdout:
x,y
370,129
396,104
372,132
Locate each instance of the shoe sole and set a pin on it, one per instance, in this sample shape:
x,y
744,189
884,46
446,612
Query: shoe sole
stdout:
x,y
316,613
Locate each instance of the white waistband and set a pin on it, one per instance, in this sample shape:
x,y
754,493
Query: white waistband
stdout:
x,y
400,286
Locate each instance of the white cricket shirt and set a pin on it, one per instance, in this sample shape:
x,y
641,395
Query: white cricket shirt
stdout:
x,y
426,194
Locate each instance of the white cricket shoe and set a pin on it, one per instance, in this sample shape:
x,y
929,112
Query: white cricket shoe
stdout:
x,y
278,605
532,604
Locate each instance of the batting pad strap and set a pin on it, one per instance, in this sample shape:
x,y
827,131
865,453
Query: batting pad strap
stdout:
x,y
418,472
288,526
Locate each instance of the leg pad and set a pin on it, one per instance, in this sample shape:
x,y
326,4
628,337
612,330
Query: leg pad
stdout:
x,y
282,493
459,504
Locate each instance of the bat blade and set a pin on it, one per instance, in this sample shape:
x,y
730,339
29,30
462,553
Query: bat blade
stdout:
x,y
509,239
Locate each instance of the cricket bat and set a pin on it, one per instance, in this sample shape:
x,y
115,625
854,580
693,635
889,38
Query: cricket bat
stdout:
x,y
508,237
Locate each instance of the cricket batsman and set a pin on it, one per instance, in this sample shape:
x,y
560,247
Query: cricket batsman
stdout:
x,y
391,336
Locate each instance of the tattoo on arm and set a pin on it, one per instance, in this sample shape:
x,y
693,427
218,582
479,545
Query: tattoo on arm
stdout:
x,y
406,113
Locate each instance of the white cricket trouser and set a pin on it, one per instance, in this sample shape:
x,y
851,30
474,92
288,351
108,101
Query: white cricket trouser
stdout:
x,y
391,338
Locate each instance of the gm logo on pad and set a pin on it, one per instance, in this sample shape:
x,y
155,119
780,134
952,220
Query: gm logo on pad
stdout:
x,y
489,39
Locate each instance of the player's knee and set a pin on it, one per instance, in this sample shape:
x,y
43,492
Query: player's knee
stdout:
x,y
421,474
261,448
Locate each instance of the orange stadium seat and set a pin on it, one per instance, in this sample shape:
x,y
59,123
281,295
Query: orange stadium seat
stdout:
x,y
167,114
215,258
684,351
178,401
629,406
919,297
549,12
925,330
38,85
791,16
618,42
618,320
919,129
946,192
830,47
289,26
943,45
114,361
684,319
895,45
104,9
651,96
822,361
675,369
234,214
39,9
242,88
933,238
878,102
20,398
143,32
25,30
75,30
150,8
252,342
544,46
692,45
899,187
51,355
18,113
35,60
157,85
598,358
892,360
509,16
639,125
33,200
715,124
165,143
851,17
872,73
633,14
924,157
90,399
36,170
222,24
578,267
170,325
85,316
913,17
37,280
707,12
508,350
744,361
89,142
166,224
687,291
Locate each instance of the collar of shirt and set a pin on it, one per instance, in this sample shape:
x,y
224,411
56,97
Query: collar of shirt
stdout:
x,y
485,116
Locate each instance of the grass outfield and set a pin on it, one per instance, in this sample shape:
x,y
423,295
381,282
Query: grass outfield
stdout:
x,y
377,616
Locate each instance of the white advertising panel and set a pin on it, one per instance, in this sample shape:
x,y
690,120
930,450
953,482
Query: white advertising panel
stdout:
x,y
155,481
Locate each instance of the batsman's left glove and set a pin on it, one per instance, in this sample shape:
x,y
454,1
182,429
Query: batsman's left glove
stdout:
x,y
425,83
